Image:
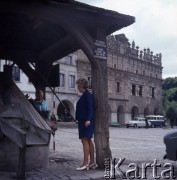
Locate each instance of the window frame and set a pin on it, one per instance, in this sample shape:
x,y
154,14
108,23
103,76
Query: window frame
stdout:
x,y
16,73
72,81
62,80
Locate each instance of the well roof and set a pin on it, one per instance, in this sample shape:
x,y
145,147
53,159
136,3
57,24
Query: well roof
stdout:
x,y
30,28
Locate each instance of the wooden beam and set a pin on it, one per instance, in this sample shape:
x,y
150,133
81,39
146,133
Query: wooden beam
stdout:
x,y
59,49
99,89
21,164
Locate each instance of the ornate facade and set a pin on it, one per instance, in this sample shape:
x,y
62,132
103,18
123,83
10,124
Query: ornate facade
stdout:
x,y
134,79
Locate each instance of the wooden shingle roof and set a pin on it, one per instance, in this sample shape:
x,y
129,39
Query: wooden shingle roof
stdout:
x,y
31,28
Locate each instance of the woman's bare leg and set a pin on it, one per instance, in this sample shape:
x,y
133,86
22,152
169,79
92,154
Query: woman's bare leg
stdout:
x,y
91,147
86,150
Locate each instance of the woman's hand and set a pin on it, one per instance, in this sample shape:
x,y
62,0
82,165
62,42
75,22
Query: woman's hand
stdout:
x,y
87,123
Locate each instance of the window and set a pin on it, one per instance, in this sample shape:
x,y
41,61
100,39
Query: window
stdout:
x,y
68,60
89,82
62,80
133,89
71,81
118,87
153,92
16,73
140,90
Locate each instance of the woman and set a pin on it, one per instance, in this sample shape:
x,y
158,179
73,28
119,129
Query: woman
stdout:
x,y
84,115
40,104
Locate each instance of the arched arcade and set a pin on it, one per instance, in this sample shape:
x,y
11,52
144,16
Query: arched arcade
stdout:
x,y
64,110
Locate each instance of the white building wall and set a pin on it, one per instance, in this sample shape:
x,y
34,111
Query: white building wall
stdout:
x,y
66,93
113,117
24,85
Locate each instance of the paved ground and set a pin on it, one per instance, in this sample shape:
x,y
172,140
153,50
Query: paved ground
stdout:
x,y
138,146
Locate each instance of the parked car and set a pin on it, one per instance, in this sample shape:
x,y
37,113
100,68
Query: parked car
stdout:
x,y
137,122
170,140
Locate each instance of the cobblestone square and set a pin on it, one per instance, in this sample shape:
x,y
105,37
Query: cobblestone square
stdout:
x,y
136,145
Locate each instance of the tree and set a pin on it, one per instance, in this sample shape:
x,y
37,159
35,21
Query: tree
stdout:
x,y
169,94
169,83
171,113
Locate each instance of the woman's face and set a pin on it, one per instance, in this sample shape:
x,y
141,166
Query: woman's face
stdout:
x,y
39,95
81,89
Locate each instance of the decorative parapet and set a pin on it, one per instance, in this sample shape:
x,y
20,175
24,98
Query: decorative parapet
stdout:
x,y
120,44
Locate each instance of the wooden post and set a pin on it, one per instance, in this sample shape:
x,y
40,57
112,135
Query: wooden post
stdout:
x,y
21,164
100,92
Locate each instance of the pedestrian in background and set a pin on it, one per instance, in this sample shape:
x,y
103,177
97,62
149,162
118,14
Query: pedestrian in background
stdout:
x,y
85,117
146,121
171,122
39,103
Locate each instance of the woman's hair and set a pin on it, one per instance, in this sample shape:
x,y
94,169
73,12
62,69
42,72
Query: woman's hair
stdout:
x,y
82,82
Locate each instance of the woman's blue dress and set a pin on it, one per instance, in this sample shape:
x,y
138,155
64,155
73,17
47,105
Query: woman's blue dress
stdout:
x,y
84,112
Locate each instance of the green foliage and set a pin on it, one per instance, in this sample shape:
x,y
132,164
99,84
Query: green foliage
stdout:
x,y
170,94
169,83
169,87
171,112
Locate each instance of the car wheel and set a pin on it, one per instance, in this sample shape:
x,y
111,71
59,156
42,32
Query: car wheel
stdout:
x,y
135,125
127,126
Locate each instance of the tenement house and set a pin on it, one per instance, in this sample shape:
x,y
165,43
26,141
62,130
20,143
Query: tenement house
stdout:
x,y
134,79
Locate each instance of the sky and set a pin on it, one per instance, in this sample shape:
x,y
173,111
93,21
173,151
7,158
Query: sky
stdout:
x,y
155,27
